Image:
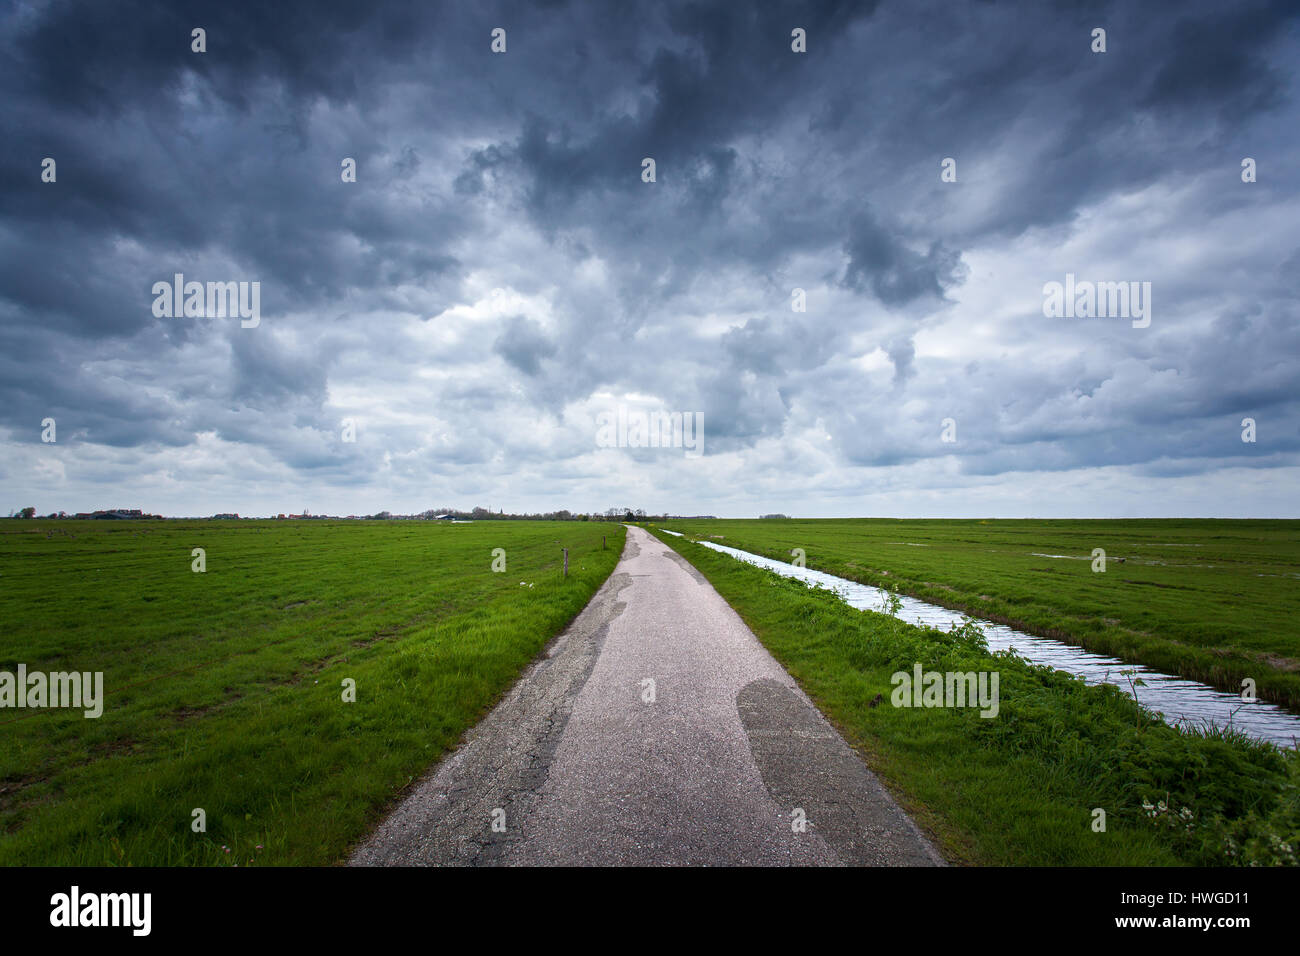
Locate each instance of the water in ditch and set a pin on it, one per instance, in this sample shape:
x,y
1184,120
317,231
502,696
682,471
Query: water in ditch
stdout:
x,y
1179,701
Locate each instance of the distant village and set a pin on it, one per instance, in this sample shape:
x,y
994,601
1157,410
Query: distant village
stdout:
x,y
433,514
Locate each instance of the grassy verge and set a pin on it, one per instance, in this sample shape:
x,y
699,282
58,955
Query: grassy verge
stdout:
x,y
1022,787
1211,600
224,689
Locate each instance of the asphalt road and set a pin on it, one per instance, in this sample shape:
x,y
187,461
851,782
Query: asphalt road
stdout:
x,y
656,730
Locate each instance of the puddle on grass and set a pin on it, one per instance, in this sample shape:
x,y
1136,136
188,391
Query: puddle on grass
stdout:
x,y
1178,700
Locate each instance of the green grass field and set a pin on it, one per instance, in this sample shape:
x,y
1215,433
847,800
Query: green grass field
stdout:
x,y
1023,787
1212,600
224,689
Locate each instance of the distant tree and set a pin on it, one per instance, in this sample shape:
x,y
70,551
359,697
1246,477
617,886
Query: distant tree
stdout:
x,y
27,513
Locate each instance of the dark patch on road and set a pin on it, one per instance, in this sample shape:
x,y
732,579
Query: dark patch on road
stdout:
x,y
685,566
806,764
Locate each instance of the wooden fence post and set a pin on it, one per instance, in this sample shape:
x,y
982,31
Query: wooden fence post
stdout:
x,y
566,562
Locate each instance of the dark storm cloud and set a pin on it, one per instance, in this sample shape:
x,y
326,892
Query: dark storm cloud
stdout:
x,y
895,274
524,344
774,170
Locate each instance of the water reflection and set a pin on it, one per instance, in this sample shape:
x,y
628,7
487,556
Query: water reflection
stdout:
x,y
1178,700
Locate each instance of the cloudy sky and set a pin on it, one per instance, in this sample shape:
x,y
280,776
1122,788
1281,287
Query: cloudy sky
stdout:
x,y
500,275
